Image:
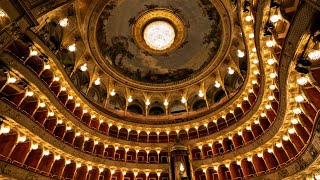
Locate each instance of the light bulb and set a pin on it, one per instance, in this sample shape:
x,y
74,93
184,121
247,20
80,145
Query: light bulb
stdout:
x,y
59,121
249,159
51,114
56,79
217,84
97,81
275,18
248,18
84,67
299,99
130,99
72,47
63,88
251,35
291,131
11,80
112,93
63,22
294,121
77,104
272,87
297,111
68,161
147,102
268,106
230,71
285,138
183,100
33,53
314,55
270,150
46,153
260,155
34,146
58,157
166,103
22,139
256,122
200,93
70,97
273,75
302,81
256,72
78,134
42,104
255,61
254,49
2,13
270,43
240,54
271,61
47,66
29,93
271,98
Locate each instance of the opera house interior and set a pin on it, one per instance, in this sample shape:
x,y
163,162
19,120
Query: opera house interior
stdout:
x,y
160,89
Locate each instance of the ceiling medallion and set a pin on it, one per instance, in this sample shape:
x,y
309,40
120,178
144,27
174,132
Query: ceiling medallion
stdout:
x,y
159,31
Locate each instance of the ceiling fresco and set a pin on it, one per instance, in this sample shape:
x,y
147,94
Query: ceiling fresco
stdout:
x,y
203,36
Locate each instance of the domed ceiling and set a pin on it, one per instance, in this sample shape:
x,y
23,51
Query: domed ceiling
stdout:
x,y
198,30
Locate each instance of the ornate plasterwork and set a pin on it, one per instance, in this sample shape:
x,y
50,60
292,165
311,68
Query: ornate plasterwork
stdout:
x,y
48,140
158,15
224,47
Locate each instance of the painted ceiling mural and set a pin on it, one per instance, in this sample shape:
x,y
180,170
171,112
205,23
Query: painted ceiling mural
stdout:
x,y
117,46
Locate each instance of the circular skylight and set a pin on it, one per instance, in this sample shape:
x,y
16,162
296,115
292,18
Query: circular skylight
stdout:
x,y
159,35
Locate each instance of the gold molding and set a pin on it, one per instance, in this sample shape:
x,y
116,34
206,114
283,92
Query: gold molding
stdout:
x,y
154,15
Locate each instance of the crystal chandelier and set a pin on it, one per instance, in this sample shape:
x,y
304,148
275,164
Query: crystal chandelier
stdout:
x,y
159,35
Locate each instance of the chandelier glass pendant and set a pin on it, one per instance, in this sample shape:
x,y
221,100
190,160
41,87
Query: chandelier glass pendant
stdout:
x,y
159,35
